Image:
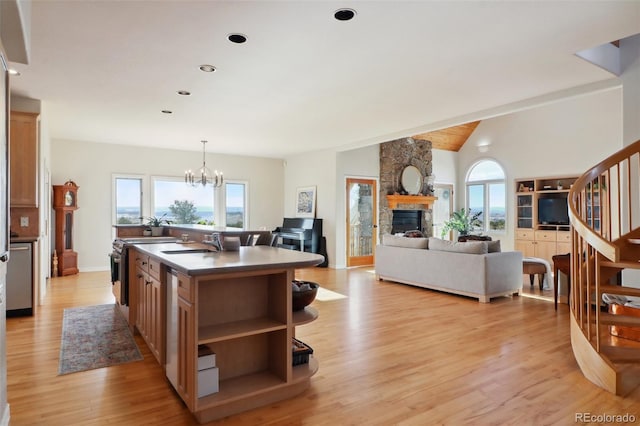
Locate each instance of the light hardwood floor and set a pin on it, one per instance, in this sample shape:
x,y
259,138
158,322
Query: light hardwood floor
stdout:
x,y
389,354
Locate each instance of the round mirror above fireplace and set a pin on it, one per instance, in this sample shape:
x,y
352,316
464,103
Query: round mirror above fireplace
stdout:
x,y
411,180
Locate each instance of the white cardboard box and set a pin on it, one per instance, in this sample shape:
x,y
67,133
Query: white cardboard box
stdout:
x,y
207,381
206,361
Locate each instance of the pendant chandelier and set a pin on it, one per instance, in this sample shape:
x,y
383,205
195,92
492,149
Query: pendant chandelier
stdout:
x,y
205,175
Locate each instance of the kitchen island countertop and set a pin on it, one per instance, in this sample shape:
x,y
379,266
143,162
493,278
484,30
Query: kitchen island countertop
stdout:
x,y
195,259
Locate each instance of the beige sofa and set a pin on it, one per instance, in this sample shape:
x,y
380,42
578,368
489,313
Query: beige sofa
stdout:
x,y
466,269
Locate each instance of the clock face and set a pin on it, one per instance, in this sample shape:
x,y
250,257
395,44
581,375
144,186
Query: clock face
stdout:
x,y
68,198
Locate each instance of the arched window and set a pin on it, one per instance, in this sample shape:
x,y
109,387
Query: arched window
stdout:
x,y
486,193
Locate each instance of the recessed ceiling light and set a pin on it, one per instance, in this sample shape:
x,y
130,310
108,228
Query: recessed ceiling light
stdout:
x,y
184,93
237,38
166,111
207,68
344,14
14,72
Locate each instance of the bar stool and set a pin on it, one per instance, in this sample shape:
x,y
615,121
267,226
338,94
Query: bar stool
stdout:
x,y
532,269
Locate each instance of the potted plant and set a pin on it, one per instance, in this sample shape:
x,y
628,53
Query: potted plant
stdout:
x,y
155,223
461,221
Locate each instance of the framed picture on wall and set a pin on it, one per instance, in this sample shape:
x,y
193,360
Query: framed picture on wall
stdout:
x,y
306,201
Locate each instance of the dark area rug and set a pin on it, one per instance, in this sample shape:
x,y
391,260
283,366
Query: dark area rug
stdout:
x,y
95,337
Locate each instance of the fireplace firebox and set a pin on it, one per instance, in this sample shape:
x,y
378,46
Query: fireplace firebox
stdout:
x,y
406,220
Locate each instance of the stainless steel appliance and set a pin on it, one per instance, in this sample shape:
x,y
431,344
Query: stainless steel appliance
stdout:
x,y
120,264
171,356
19,280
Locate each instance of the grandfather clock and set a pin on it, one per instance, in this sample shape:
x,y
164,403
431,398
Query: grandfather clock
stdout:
x,y
64,204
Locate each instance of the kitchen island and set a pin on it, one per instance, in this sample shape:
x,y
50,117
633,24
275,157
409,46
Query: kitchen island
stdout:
x,y
234,304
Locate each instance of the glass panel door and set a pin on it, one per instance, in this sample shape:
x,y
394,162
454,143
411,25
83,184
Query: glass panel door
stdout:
x,y
361,221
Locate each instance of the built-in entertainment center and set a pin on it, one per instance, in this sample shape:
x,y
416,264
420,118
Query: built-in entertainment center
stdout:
x,y
542,216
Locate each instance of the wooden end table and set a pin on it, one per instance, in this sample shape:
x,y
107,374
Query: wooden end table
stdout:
x,y
561,262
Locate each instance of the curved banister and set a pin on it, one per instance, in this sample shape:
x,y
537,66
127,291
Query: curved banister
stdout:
x,y
602,170
604,211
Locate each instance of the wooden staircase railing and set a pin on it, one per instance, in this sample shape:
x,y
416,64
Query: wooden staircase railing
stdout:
x,y
604,208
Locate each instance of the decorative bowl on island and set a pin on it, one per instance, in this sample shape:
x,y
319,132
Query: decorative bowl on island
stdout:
x,y
303,293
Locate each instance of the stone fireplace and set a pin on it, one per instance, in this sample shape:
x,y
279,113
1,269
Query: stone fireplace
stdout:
x,y
394,157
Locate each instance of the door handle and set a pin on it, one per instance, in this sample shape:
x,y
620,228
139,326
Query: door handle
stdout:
x,y
4,258
19,248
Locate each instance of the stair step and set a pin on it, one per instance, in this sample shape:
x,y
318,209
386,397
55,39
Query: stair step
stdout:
x,y
623,320
621,354
631,264
618,289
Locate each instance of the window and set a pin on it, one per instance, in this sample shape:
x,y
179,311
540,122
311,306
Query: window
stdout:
x,y
486,192
181,203
128,200
235,208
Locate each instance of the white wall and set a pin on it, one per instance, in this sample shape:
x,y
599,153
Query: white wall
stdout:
x,y
317,169
563,138
630,64
445,169
445,166
91,165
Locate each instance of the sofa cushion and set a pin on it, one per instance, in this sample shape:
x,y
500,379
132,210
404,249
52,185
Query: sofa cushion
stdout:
x,y
398,241
494,246
471,247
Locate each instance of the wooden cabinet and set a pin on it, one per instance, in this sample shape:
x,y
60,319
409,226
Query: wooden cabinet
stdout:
x,y
23,159
150,312
187,353
156,309
535,235
546,242
563,242
525,242
524,210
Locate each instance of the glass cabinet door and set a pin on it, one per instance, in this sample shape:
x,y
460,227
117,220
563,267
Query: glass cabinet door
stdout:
x,y
524,211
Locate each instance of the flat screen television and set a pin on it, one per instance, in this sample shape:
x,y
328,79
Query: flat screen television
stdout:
x,y
553,211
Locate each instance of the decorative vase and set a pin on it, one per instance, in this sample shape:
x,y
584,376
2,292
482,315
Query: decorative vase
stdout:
x,y
156,231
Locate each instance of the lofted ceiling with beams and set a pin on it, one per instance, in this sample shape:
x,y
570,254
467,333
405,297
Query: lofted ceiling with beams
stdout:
x,y
303,80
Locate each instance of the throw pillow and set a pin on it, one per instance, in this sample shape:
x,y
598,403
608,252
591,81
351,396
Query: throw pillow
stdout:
x,y
494,246
471,247
414,234
397,241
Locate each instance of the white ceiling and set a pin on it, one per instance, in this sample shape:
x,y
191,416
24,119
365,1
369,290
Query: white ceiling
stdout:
x,y
303,81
